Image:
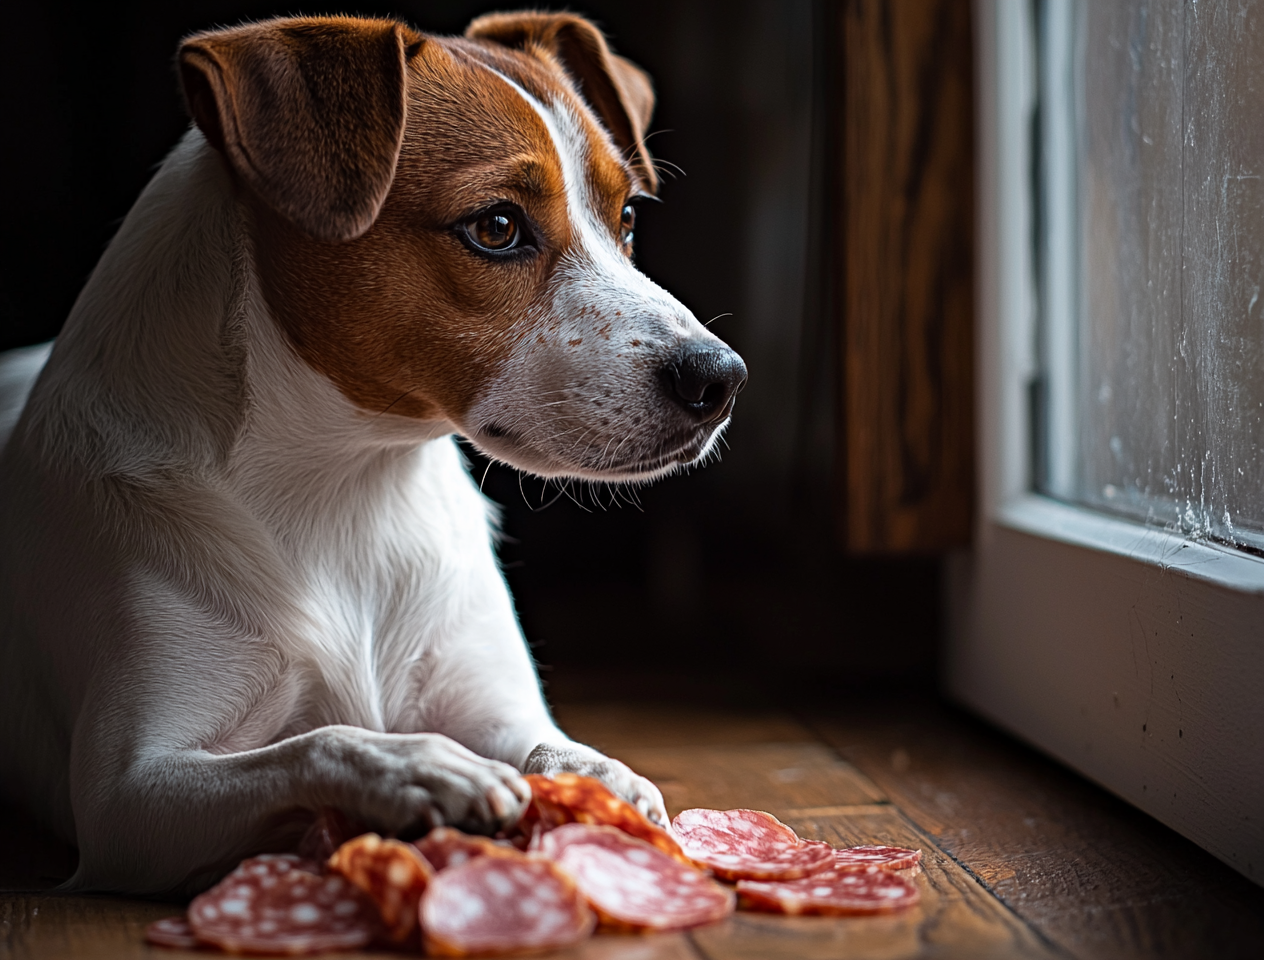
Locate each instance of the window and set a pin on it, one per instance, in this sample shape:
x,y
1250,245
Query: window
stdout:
x,y
1112,611
1149,154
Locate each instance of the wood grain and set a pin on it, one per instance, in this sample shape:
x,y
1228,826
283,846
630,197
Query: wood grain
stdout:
x,y
1093,874
615,726
905,259
1021,858
775,777
49,926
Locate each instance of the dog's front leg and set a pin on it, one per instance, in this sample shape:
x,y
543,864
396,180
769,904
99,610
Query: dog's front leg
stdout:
x,y
180,765
175,820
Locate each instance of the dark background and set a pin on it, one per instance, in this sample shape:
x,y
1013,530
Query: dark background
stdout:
x,y
726,580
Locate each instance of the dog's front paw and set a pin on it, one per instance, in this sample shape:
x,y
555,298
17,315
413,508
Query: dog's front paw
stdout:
x,y
548,759
402,782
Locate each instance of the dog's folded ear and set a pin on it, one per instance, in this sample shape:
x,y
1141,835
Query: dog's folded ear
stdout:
x,y
309,112
617,90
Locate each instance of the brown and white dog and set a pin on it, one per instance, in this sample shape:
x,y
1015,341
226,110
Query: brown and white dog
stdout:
x,y
243,571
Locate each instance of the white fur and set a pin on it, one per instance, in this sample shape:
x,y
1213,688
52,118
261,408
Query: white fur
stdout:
x,y
227,594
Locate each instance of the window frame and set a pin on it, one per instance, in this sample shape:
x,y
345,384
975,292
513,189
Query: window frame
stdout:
x,y
1130,653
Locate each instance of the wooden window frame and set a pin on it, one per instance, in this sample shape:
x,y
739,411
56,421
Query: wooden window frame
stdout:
x,y
901,250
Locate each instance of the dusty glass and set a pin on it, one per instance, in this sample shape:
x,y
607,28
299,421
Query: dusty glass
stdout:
x,y
1150,134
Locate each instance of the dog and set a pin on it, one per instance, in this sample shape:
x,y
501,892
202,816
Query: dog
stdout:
x,y
244,572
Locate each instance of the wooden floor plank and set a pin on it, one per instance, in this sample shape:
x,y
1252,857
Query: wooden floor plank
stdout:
x,y
776,777
50,927
614,727
1021,858
1092,873
957,916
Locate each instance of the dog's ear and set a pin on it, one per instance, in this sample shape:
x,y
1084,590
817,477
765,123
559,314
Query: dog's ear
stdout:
x,y
617,90
308,112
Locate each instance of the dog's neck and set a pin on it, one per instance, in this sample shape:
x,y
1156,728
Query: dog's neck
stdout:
x,y
172,336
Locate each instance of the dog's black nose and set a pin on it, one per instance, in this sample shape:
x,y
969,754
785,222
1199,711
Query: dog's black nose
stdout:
x,y
705,378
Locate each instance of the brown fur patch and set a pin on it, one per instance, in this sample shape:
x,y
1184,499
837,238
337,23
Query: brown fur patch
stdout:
x,y
406,318
309,112
618,91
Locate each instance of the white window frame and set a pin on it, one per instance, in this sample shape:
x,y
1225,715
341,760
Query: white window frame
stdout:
x,y
1132,654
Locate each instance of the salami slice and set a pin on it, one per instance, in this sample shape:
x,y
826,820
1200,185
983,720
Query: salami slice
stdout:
x,y
632,885
497,905
885,858
570,798
172,932
748,845
445,847
392,874
273,905
834,893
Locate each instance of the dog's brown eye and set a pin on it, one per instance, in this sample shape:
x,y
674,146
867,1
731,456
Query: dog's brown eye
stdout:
x,y
496,230
627,222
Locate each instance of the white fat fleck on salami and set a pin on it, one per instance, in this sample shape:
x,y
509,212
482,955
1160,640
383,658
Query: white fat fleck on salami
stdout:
x,y
235,907
275,905
633,885
836,893
304,913
501,885
495,904
748,844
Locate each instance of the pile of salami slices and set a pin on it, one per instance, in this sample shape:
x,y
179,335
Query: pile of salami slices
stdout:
x,y
580,858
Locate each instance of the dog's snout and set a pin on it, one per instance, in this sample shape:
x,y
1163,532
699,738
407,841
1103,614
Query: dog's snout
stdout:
x,y
705,379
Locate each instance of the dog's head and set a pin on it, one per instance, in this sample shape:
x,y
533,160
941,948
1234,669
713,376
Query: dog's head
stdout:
x,y
444,228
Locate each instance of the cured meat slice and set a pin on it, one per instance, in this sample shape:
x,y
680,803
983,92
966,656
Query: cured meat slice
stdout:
x,y
172,932
496,905
570,798
748,845
392,874
885,858
273,905
632,885
445,847
834,893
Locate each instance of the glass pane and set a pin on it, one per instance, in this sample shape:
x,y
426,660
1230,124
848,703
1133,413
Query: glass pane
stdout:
x,y
1165,336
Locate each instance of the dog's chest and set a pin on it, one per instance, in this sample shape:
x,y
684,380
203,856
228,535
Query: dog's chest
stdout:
x,y
368,633
383,582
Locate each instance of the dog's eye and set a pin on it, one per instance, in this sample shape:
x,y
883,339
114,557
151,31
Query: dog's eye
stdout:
x,y
495,231
627,222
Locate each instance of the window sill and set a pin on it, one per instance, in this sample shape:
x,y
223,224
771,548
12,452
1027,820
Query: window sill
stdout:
x,y
1203,560
1130,654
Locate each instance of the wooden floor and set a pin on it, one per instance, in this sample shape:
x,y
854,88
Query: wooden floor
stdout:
x,y
1022,859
